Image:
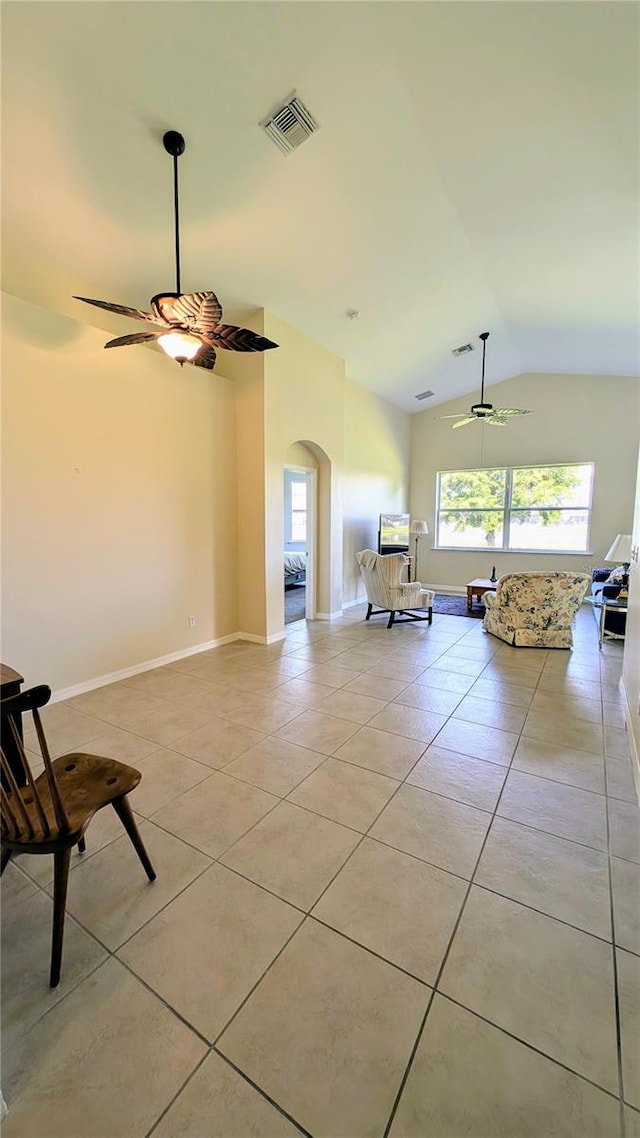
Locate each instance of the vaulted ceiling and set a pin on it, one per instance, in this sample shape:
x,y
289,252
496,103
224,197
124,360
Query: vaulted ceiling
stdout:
x,y
476,168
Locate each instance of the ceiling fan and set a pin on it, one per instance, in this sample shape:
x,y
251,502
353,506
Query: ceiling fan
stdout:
x,y
485,412
190,323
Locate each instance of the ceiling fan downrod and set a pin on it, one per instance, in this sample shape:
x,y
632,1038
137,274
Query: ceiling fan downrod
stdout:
x,y
480,409
174,145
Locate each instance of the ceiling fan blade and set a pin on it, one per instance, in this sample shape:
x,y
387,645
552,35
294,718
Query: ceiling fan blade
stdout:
x,y
236,339
132,338
206,357
463,415
495,421
192,311
510,411
463,422
121,309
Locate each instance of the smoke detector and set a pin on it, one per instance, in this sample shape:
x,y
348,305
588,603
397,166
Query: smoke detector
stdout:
x,y
463,350
424,395
290,125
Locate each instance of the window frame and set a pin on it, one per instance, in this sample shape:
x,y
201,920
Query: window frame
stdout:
x,y
507,510
293,474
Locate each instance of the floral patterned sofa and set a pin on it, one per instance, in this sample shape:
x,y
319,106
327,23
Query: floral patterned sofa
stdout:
x,y
535,610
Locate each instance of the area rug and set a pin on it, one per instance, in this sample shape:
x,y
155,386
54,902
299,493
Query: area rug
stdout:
x,y
446,605
294,603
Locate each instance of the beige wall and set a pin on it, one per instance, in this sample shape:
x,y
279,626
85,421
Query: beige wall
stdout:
x,y
119,502
376,475
574,419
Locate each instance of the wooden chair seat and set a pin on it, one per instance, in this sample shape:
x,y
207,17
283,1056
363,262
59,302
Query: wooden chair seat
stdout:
x,y
50,813
86,784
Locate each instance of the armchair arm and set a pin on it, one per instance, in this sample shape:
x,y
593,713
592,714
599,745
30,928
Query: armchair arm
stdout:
x,y
405,595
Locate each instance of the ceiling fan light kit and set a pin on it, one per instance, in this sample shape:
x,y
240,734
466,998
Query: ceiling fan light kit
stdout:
x,y
191,322
484,412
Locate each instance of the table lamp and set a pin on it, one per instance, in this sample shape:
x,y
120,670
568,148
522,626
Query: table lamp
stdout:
x,y
417,530
621,552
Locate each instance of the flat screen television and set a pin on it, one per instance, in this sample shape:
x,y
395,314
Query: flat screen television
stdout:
x,y
393,534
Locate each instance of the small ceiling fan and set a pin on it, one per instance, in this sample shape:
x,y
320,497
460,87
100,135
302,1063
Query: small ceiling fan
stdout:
x,y
190,323
485,412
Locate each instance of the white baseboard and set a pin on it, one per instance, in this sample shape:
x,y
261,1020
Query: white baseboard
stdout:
x,y
136,669
352,604
251,636
633,747
328,615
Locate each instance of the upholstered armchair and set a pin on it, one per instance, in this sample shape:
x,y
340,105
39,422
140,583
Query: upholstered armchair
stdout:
x,y
535,610
388,593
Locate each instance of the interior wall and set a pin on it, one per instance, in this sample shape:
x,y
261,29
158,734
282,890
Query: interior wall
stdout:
x,y
575,418
376,475
304,402
118,520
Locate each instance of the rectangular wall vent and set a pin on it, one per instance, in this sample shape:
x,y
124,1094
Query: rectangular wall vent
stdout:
x,y
462,350
424,395
291,124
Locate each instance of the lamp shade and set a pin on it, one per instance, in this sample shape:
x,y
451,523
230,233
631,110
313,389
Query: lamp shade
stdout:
x,y
418,529
621,549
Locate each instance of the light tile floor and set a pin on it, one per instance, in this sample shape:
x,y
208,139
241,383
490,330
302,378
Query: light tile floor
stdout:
x,y
398,894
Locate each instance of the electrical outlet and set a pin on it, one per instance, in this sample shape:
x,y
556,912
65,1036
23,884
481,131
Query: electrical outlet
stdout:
x,y
192,622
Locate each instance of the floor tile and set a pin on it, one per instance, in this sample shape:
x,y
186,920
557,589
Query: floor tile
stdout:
x,y
625,880
620,782
333,675
561,763
546,983
262,713
563,732
165,776
557,877
215,699
80,1066
478,741
328,1033
27,923
293,853
571,707
459,776
380,751
450,681
114,743
214,814
345,793
491,713
629,996
380,687
616,742
396,905
352,706
631,1122
429,699
624,829
223,1104
167,723
217,742
396,670
513,694
221,928
304,693
275,766
109,893
470,1079
411,722
565,811
435,829
324,733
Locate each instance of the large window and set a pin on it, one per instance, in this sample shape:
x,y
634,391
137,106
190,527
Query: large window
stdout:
x,y
542,509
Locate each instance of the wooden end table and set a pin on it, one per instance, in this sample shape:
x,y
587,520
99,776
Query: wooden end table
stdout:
x,y
478,587
10,684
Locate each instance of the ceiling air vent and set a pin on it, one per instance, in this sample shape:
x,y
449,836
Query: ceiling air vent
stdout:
x,y
462,350
291,124
424,395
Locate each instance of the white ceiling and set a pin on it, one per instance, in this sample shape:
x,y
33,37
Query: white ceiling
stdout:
x,y
476,168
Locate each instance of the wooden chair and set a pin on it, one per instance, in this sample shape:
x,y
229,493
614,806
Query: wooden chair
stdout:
x,y
51,812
